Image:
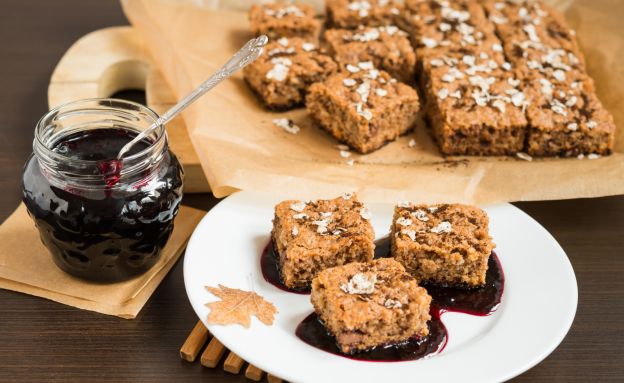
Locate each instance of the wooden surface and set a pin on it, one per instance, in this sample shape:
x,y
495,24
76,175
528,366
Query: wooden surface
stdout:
x,y
45,341
111,59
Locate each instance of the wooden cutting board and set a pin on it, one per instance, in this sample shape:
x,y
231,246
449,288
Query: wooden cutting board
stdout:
x,y
113,59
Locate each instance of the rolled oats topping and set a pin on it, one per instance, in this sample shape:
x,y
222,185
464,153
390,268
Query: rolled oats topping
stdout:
x,y
298,206
392,304
289,10
365,213
281,66
421,215
442,227
410,233
360,283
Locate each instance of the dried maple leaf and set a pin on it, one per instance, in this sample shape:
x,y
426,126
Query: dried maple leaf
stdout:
x,y
237,306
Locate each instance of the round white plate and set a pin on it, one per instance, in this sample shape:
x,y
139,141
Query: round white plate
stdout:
x,y
536,311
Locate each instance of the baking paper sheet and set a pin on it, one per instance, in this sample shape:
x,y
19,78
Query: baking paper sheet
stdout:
x,y
240,148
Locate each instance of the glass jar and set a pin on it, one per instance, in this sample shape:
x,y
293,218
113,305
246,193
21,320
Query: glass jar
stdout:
x,y
102,219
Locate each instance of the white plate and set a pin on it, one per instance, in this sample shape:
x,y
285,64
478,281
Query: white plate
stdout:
x,y
537,308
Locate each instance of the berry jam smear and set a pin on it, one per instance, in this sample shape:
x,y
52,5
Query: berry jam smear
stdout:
x,y
312,331
480,301
110,233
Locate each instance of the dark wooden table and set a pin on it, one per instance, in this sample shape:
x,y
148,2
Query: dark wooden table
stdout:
x,y
45,341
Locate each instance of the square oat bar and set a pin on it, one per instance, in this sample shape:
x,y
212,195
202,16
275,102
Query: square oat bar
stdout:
x,y
353,13
565,116
284,19
473,106
288,66
311,236
446,244
387,47
363,107
567,120
366,305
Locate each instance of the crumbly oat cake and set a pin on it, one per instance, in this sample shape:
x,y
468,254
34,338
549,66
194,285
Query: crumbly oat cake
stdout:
x,y
284,19
365,305
444,244
473,106
312,236
363,107
566,117
288,66
387,47
566,120
353,13
439,24
474,103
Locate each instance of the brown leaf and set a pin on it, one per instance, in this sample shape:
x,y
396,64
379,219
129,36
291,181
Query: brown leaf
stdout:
x,y
237,306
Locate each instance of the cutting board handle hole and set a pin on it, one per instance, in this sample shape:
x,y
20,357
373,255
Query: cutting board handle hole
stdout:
x,y
123,76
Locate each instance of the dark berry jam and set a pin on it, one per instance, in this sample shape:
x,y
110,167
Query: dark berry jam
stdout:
x,y
107,233
271,273
312,331
480,301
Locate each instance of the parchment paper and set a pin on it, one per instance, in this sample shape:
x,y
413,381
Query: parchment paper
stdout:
x,y
240,148
26,266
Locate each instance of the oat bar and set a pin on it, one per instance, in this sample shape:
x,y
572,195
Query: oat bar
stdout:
x,y
312,236
447,244
566,117
284,19
368,305
288,66
363,106
387,47
474,102
353,13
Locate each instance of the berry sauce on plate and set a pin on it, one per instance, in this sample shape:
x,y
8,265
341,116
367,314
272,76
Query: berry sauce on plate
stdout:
x,y
480,301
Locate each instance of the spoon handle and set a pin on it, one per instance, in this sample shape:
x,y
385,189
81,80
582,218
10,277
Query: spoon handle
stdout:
x,y
246,55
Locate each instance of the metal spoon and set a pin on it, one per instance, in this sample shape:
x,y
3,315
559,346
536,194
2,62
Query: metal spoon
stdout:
x,y
247,54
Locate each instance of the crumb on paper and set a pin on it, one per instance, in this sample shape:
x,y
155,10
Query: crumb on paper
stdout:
x,y
287,125
524,156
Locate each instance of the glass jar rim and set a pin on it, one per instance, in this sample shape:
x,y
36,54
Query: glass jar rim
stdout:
x,y
41,124
98,113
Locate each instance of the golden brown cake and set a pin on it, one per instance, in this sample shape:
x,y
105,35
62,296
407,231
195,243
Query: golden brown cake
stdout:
x,y
373,304
311,236
363,107
447,244
284,19
280,77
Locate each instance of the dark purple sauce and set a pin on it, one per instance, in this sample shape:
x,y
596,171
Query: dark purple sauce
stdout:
x,y
109,234
312,331
480,301
270,270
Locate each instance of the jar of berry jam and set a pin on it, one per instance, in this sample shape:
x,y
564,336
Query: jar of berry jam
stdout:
x,y
102,219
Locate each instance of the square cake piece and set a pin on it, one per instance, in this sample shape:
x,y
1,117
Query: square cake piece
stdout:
x,y
288,66
445,244
353,13
387,47
567,120
363,107
284,19
474,108
311,236
366,305
565,116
